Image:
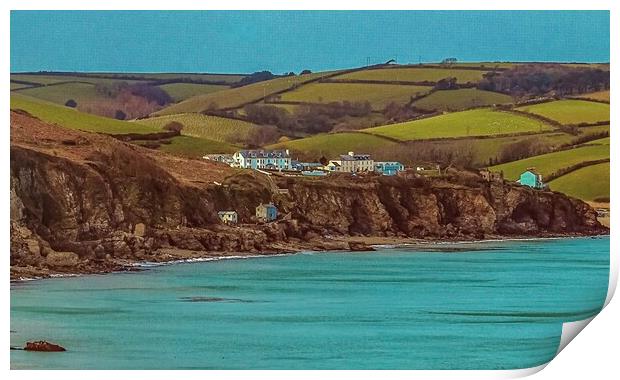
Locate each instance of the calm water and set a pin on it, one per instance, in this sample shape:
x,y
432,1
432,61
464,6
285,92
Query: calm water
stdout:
x,y
496,305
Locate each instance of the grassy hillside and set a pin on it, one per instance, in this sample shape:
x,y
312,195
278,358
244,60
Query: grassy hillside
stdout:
x,y
204,126
196,147
71,118
570,111
331,145
477,122
48,79
59,94
599,95
182,91
17,86
455,100
412,74
587,183
237,97
377,94
224,78
549,163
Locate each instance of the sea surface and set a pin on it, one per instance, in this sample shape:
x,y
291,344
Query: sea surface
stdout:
x,y
488,305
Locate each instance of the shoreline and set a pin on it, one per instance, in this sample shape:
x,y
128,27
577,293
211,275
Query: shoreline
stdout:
x,y
370,242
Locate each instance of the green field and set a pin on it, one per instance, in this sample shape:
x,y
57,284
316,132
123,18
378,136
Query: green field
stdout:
x,y
549,163
196,147
599,95
412,74
52,79
204,126
477,122
59,94
586,183
71,118
331,145
237,97
224,78
456,100
379,95
17,86
570,111
603,141
182,91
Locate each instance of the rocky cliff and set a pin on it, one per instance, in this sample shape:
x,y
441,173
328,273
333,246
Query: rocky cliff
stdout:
x,y
84,202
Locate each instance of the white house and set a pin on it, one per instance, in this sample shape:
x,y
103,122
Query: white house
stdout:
x,y
352,163
228,217
333,166
263,159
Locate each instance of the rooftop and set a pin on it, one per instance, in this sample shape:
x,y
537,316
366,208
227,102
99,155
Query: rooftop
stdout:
x,y
260,153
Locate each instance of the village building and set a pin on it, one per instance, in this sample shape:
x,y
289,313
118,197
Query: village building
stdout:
x,y
389,167
266,212
300,166
490,176
228,217
353,163
531,178
263,159
224,158
333,166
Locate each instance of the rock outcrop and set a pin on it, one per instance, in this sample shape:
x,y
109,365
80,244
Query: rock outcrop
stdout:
x,y
43,346
83,202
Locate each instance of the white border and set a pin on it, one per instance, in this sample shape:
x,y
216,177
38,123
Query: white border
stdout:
x,y
595,346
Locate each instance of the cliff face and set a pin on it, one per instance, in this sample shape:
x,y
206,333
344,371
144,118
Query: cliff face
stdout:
x,y
85,202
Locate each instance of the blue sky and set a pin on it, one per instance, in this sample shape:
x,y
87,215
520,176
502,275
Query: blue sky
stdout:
x,y
242,42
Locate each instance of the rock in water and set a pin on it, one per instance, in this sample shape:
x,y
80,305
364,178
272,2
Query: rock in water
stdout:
x,y
44,346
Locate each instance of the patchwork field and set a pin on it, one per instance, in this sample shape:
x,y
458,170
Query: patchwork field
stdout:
x,y
331,145
182,91
588,183
204,126
196,147
237,97
379,95
71,118
456,100
477,122
549,163
412,74
570,111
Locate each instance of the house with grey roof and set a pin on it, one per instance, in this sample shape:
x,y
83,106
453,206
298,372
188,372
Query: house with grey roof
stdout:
x,y
263,159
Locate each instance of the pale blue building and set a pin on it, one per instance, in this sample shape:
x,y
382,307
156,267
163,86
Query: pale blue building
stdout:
x,y
531,178
388,167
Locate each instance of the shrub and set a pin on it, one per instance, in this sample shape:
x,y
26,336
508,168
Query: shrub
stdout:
x,y
120,115
174,126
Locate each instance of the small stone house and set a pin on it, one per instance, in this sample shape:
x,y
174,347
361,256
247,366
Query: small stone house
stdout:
x,y
228,217
266,212
531,178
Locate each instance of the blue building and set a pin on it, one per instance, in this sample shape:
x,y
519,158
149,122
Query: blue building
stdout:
x,y
388,167
266,212
531,178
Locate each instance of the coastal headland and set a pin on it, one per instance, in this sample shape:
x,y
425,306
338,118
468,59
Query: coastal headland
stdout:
x,y
88,203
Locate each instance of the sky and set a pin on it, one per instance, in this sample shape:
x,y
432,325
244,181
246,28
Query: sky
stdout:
x,y
283,41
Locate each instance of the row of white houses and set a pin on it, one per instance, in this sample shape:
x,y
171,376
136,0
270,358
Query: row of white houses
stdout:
x,y
281,160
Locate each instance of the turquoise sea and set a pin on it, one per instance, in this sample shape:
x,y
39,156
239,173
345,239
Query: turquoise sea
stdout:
x,y
490,305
